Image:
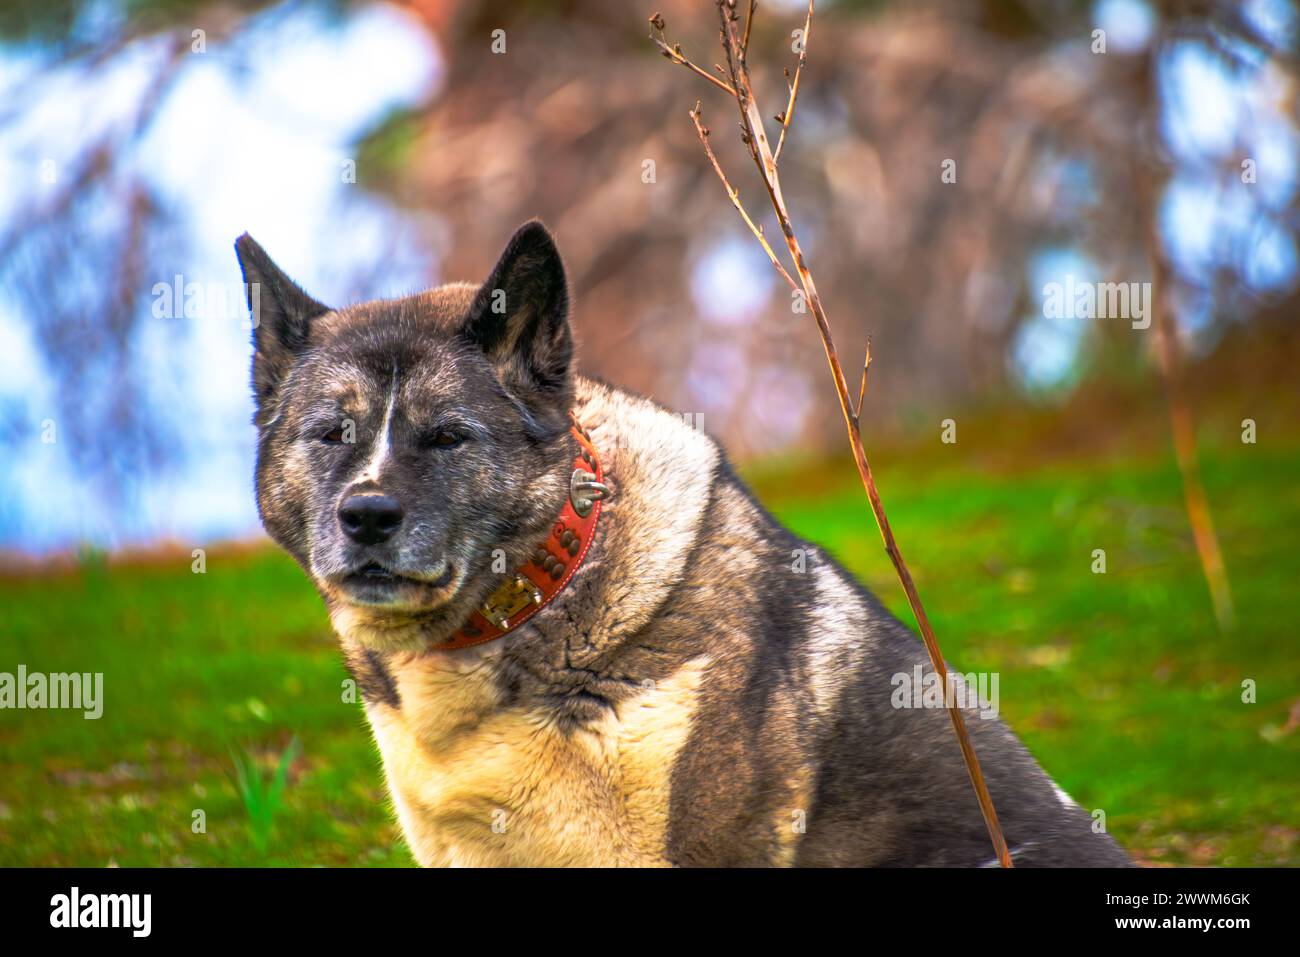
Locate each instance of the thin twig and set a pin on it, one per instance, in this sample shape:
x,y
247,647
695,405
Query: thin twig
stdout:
x,y
674,53
755,139
862,389
749,23
784,118
703,132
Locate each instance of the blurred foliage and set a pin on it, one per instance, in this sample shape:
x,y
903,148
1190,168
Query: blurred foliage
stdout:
x,y
1052,141
388,148
55,22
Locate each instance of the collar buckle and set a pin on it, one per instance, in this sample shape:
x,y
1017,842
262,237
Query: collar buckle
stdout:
x,y
509,600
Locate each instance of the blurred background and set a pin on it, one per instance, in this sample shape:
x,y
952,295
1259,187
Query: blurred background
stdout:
x,y
377,148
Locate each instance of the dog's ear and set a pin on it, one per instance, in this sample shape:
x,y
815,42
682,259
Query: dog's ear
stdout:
x,y
281,314
520,319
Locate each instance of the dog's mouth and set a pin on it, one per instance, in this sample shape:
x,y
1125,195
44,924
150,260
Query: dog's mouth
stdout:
x,y
374,572
377,585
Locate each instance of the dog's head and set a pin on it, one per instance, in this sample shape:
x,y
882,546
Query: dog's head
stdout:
x,y
411,451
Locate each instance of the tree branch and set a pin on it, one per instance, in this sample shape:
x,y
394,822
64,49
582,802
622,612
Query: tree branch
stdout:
x,y
755,139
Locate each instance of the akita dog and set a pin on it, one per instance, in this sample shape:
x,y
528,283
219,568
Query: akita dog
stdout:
x,y
580,640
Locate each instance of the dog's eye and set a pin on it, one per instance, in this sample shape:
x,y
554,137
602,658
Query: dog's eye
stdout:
x,y
443,439
333,436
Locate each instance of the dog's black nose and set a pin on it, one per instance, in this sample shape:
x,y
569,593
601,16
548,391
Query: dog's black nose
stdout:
x,y
370,519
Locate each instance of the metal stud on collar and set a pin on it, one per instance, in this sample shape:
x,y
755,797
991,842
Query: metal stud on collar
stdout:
x,y
585,492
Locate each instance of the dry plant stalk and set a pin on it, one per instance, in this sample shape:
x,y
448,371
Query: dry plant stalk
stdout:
x,y
735,82
1183,425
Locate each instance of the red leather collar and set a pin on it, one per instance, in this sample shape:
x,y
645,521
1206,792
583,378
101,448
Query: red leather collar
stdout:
x,y
532,586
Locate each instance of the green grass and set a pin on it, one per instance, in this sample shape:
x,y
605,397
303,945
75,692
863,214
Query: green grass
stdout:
x,y
239,660
263,795
1119,683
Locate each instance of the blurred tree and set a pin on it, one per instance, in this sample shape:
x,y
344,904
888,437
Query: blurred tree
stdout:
x,y
1045,133
569,114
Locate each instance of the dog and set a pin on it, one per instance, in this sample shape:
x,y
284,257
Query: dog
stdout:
x,y
578,638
